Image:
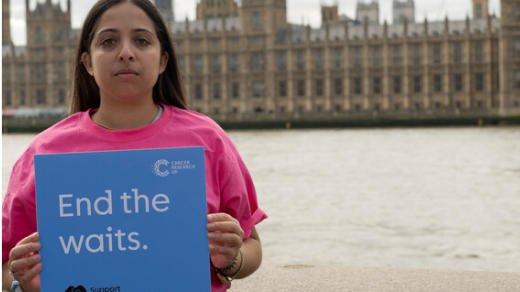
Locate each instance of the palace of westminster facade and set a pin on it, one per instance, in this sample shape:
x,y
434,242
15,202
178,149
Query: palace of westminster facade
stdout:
x,y
244,60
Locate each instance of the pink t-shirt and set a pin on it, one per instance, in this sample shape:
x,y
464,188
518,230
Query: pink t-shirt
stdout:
x,y
229,186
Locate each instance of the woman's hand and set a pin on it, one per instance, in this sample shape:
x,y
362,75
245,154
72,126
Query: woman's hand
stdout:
x,y
24,263
225,239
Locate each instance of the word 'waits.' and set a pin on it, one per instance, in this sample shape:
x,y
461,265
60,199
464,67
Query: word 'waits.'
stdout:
x,y
95,243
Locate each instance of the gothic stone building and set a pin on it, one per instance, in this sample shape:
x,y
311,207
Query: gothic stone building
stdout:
x,y
246,61
38,75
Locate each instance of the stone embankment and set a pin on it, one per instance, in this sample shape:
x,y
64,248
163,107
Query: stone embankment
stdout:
x,y
303,278
37,124
308,278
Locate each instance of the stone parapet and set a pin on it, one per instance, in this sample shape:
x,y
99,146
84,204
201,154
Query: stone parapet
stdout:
x,y
280,278
316,120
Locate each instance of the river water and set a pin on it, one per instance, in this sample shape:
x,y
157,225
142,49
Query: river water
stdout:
x,y
434,198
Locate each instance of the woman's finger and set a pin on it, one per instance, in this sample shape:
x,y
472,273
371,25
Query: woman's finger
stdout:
x,y
228,252
24,263
23,250
30,238
225,226
227,239
215,217
30,274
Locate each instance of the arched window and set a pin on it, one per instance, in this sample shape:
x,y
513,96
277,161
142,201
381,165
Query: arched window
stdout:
x,y
38,38
257,22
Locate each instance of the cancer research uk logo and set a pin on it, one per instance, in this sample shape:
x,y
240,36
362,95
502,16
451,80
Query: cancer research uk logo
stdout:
x,y
164,168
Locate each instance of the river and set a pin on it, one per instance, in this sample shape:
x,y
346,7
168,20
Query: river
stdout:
x,y
433,198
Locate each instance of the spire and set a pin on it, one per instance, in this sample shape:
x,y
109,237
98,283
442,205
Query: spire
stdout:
x,y
480,9
6,23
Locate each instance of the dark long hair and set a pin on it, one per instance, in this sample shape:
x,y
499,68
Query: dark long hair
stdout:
x,y
85,92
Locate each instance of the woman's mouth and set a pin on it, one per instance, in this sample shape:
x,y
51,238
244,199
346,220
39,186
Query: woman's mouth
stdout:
x,y
126,74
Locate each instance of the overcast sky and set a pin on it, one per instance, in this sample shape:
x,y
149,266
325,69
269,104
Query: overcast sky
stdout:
x,y
299,11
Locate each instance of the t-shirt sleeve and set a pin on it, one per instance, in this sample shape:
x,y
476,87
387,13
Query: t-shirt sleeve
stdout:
x,y
238,194
19,207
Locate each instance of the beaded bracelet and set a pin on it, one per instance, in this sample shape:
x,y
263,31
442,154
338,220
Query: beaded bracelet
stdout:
x,y
15,285
222,272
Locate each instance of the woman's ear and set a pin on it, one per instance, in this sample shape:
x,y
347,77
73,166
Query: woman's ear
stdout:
x,y
164,62
87,62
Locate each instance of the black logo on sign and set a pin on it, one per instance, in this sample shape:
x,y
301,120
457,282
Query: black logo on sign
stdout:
x,y
76,289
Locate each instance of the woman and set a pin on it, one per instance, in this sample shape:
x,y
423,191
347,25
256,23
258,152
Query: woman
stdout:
x,y
127,94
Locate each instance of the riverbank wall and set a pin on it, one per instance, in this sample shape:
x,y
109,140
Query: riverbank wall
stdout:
x,y
314,120
307,278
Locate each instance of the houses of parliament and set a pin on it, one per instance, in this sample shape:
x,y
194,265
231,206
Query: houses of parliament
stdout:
x,y
243,61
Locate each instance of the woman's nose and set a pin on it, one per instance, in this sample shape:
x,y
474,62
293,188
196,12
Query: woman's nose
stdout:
x,y
126,53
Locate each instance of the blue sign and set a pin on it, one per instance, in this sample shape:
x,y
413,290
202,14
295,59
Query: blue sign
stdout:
x,y
123,220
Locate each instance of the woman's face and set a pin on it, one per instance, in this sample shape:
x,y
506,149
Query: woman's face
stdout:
x,y
125,55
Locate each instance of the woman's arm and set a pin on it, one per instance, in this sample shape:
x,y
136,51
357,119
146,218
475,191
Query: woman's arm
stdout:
x,y
7,279
252,253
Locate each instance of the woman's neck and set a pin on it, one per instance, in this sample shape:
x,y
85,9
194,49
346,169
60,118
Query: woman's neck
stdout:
x,y
125,116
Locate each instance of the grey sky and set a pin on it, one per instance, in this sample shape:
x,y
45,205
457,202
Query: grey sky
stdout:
x,y
299,11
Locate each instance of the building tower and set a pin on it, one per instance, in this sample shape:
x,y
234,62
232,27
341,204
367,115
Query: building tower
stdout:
x,y
6,23
509,57
480,9
7,57
216,9
166,9
368,12
403,10
263,15
48,54
329,14
261,21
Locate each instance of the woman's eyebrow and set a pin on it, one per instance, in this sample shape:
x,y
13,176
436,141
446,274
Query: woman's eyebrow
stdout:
x,y
142,30
107,30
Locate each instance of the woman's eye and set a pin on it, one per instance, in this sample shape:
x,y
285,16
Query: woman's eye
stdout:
x,y
142,42
108,42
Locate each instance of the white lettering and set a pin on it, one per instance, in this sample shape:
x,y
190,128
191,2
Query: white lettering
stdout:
x,y
99,243
109,237
120,234
137,197
108,200
62,205
135,241
125,198
78,206
99,238
72,241
155,202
